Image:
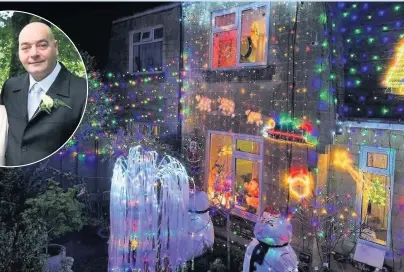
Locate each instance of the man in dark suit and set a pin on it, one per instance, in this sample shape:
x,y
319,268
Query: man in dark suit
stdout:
x,y
45,105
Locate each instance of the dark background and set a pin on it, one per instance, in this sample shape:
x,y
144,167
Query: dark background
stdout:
x,y
87,24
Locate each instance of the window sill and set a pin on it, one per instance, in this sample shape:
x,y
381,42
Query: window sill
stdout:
x,y
152,73
373,245
242,74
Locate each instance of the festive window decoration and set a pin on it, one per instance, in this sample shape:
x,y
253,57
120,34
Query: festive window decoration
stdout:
x,y
375,186
226,106
377,160
375,209
234,175
300,183
247,184
252,40
290,130
240,36
225,48
225,151
395,74
254,118
376,195
220,171
146,51
204,103
248,146
225,20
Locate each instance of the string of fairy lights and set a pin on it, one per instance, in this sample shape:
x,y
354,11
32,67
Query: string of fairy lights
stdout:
x,y
374,33
117,99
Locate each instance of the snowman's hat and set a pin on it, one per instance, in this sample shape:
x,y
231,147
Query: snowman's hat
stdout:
x,y
273,229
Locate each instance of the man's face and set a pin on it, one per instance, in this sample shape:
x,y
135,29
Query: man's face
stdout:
x,y
38,50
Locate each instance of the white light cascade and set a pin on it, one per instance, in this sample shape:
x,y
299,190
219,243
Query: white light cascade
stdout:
x,y
149,213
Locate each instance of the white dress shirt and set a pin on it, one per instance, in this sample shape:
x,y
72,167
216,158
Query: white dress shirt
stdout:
x,y
45,83
3,134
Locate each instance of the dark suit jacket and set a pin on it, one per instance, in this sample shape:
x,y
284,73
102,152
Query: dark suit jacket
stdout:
x,y
33,140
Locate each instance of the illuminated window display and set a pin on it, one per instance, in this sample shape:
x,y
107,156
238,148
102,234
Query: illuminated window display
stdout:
x,y
240,37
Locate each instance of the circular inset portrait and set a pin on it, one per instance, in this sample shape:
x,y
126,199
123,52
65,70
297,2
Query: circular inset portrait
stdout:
x,y
44,88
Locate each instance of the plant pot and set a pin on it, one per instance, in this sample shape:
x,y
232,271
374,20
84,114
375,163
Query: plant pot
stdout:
x,y
56,253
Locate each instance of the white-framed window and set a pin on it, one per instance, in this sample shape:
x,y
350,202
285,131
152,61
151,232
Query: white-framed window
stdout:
x,y
137,128
375,200
239,183
146,49
239,36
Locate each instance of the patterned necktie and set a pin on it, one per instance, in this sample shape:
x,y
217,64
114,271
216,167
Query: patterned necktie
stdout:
x,y
34,98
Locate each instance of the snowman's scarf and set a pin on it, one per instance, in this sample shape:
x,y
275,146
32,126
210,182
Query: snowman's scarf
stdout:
x,y
262,250
199,212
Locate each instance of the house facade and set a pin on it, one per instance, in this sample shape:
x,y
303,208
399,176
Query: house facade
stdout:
x,y
257,94
369,41
145,48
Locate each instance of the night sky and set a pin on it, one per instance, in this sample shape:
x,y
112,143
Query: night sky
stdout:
x,y
87,24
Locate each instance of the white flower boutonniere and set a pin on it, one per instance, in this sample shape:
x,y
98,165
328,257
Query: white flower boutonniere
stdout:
x,y
47,103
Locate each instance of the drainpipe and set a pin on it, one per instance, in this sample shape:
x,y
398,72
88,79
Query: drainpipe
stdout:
x,y
180,84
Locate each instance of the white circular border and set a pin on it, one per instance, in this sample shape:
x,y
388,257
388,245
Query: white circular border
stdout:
x,y
85,106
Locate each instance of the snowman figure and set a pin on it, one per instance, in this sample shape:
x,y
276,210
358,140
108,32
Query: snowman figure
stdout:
x,y
270,249
200,225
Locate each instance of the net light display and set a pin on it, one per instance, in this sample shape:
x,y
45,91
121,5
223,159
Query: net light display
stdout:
x,y
111,95
372,36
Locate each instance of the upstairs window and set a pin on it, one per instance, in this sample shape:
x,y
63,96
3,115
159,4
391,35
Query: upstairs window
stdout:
x,y
146,50
240,37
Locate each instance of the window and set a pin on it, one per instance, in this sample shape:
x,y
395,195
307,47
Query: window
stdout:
x,y
377,165
146,50
235,172
248,146
240,37
377,160
138,129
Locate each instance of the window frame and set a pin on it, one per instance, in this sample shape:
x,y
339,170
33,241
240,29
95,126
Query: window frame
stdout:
x,y
391,155
259,158
237,26
136,127
149,40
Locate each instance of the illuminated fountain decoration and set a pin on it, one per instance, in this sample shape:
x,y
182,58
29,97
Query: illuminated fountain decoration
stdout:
x,y
395,75
149,207
287,129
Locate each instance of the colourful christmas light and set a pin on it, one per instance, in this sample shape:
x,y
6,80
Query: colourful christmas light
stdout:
x,y
300,183
395,74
